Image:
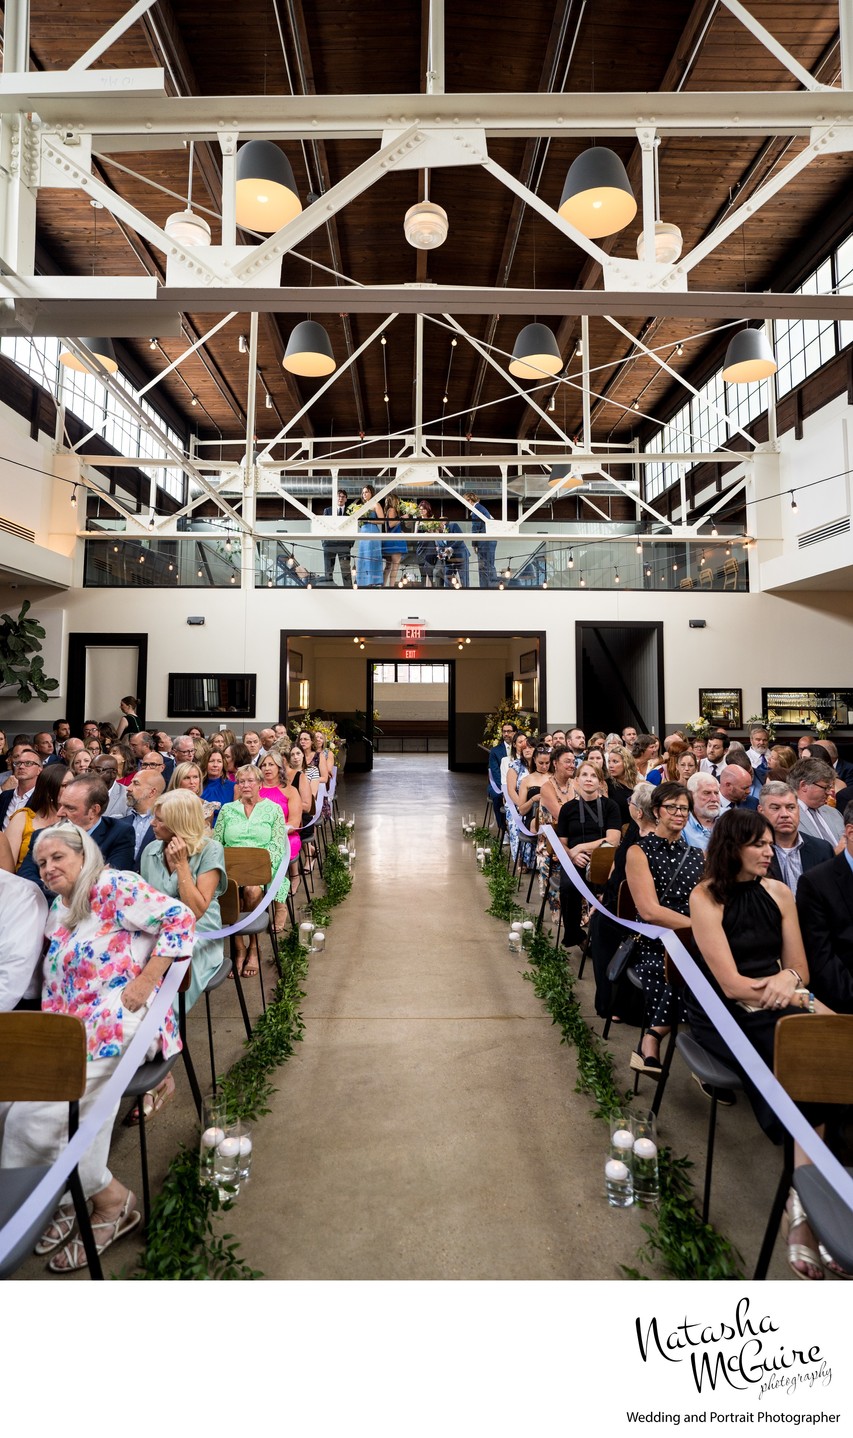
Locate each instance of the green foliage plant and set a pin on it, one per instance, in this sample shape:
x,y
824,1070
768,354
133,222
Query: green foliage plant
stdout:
x,y
21,664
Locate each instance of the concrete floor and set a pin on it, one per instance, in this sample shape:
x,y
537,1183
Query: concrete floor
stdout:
x,y
427,1127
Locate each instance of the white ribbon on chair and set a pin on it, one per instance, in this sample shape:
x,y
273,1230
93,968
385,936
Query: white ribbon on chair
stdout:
x,y
54,1180
765,1081
517,819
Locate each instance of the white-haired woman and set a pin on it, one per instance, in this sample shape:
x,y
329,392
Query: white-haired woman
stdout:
x,y
112,938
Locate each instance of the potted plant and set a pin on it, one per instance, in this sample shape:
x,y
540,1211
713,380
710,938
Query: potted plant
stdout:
x,y
21,664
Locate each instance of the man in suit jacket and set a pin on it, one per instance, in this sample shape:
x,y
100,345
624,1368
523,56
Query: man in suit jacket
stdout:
x,y
794,854
812,780
841,767
825,907
82,801
26,766
501,751
340,549
735,784
143,791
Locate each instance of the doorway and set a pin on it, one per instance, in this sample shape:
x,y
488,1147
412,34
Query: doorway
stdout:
x,y
101,670
620,676
409,707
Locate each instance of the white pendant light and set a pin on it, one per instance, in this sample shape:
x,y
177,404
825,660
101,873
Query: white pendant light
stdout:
x,y
535,353
104,350
186,226
597,197
668,243
266,195
425,225
309,351
748,358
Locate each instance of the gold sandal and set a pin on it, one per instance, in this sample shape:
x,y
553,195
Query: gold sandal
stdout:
x,y
795,1214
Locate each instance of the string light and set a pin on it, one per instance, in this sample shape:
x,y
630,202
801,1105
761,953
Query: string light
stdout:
x,y
679,349
142,559
794,505
74,497
571,559
194,400
648,571
715,533
638,548
151,522
152,344
582,581
616,580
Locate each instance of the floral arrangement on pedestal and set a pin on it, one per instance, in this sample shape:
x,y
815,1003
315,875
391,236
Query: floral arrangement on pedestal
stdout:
x,y
756,721
823,727
698,728
327,727
507,713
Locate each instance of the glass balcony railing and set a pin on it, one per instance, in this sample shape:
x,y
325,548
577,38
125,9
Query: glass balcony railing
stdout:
x,y
441,561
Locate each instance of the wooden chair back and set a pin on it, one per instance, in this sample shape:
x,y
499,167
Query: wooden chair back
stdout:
x,y
730,573
706,578
229,905
600,863
42,1057
686,584
812,1057
248,866
625,906
670,972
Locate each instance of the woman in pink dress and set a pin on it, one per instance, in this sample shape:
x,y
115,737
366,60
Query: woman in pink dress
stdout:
x,y
274,786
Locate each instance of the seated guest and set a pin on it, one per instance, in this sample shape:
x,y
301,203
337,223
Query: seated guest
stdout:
x,y
43,745
517,768
251,822
23,911
699,749
107,736
186,776
825,907
793,853
686,766
759,743
216,788
157,762
268,739
26,767
622,779
736,788
584,824
662,871
95,747
83,802
530,787
124,757
781,759
705,794
605,935
140,744
294,769
323,757
130,935
745,927
715,747
236,756
645,754
812,781
555,792
841,767
274,786
805,741
106,766
39,813
821,751
143,791
183,749
187,863
667,772
81,763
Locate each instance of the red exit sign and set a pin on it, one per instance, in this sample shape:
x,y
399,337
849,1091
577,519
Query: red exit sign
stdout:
x,y
414,631
411,653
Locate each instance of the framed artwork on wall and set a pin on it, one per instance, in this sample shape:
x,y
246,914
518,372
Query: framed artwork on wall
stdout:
x,y
528,662
722,706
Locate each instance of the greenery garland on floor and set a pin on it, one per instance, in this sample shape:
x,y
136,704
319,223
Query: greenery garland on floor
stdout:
x,y
678,1239
183,1241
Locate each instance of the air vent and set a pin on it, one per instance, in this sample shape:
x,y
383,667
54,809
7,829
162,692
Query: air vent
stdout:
x,y
826,531
18,530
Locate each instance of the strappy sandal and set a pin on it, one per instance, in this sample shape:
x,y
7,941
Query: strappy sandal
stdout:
x,y
152,1102
829,1263
58,1231
795,1214
647,1063
74,1253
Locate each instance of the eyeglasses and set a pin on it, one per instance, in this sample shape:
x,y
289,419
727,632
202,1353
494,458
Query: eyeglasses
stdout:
x,y
676,808
150,764
26,764
812,783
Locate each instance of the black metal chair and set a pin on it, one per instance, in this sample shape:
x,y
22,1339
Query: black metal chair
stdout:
x,y
715,1074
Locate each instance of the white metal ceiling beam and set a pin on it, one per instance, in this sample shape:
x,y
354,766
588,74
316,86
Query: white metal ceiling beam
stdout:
x,y
110,36
454,461
48,315
774,46
115,104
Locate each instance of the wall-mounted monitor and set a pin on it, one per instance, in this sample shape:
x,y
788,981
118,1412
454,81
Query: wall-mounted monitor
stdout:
x,y
215,696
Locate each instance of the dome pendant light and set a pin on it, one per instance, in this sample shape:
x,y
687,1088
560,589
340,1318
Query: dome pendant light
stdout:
x,y
104,350
425,225
668,243
309,351
265,189
561,475
535,353
748,358
597,197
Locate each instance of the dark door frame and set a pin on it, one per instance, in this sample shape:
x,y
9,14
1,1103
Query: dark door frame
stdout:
x,y
77,646
386,635
646,625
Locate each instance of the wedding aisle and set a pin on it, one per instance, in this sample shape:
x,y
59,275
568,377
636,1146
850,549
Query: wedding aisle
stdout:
x,y
427,1127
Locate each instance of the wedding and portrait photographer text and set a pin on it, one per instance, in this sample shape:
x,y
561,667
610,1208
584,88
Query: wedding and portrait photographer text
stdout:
x,y
760,1417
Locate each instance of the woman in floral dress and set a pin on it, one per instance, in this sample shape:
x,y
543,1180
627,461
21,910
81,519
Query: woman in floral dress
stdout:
x,y
111,940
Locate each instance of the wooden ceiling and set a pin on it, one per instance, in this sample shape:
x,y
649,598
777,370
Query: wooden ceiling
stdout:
x,y
322,46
